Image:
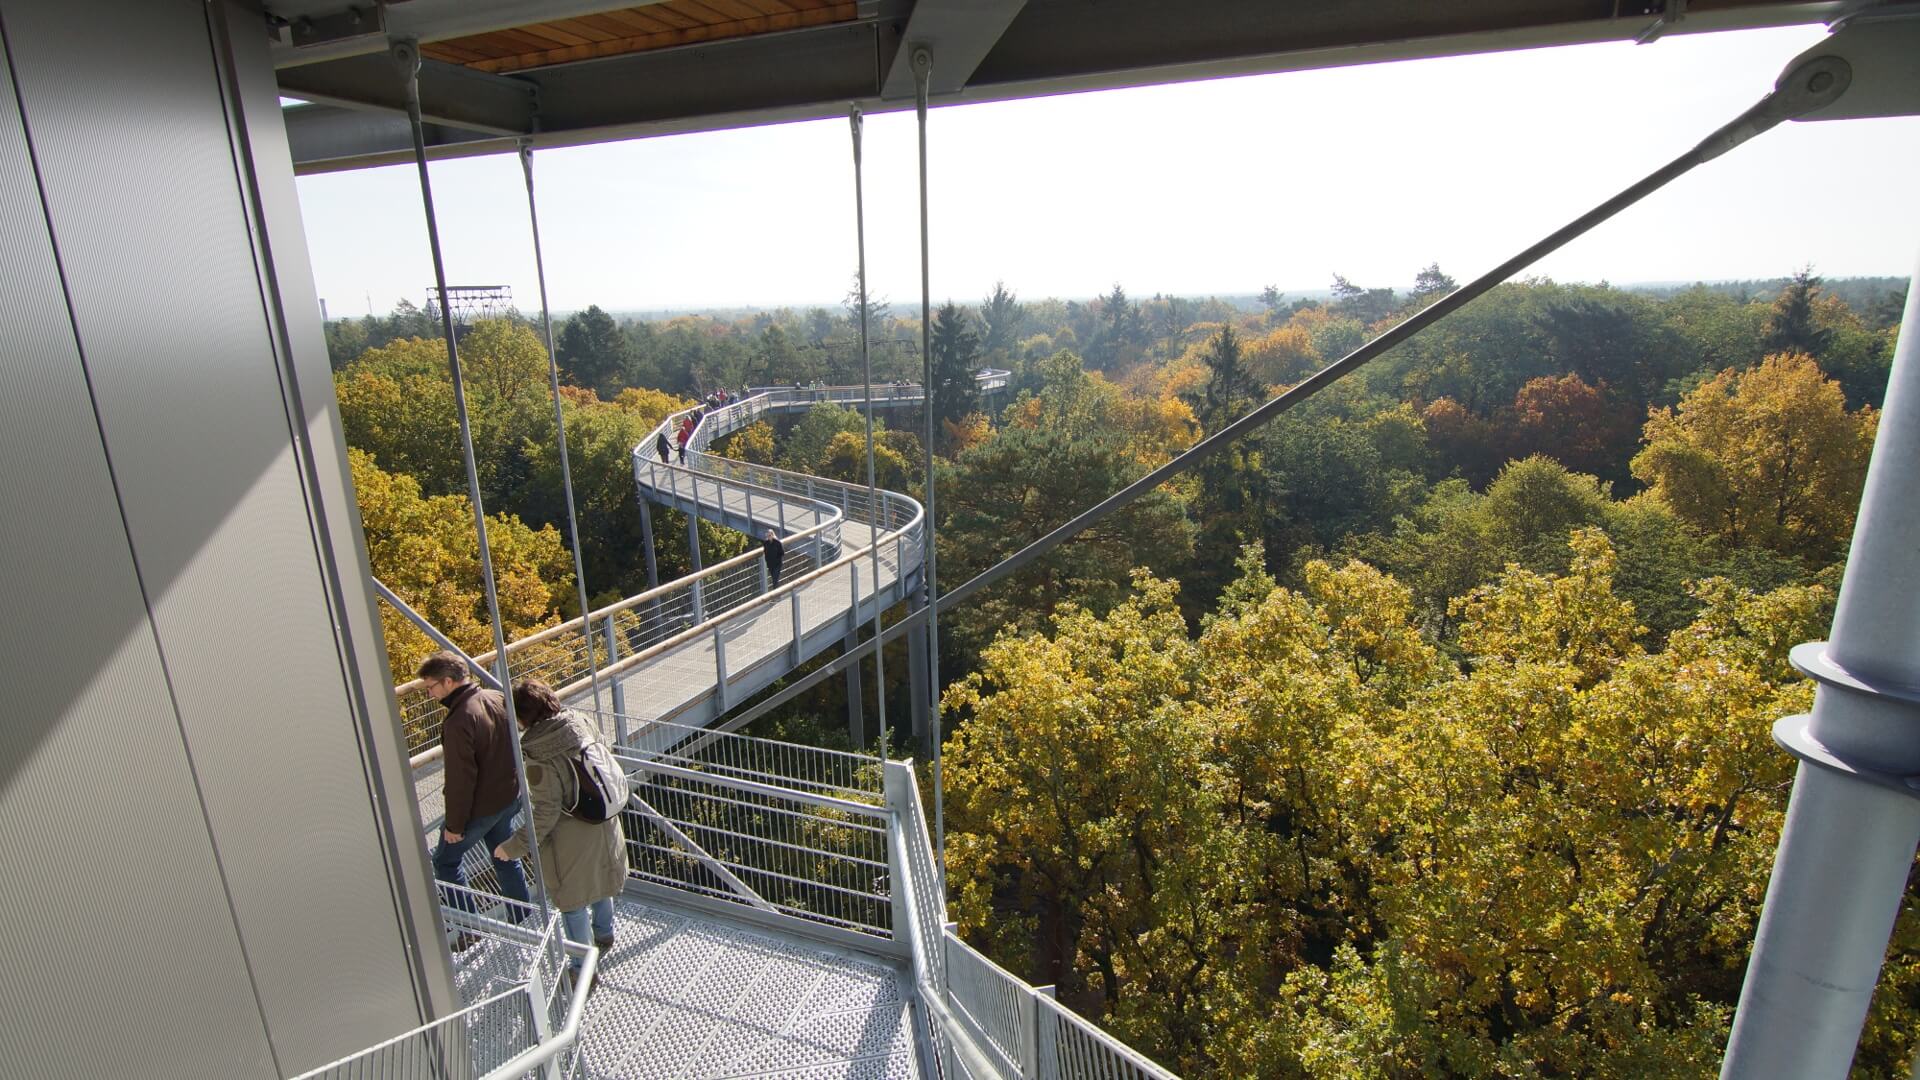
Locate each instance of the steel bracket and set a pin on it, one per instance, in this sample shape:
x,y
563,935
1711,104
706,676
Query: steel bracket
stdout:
x,y
368,20
1795,737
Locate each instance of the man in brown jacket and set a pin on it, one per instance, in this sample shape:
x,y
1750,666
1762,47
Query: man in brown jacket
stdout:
x,y
482,789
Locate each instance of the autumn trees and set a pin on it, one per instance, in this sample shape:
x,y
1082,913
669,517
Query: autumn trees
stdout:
x,y
1769,457
1304,843
396,405
1492,791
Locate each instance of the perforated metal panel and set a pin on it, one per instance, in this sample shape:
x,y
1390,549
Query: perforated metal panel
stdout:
x,y
690,998
232,912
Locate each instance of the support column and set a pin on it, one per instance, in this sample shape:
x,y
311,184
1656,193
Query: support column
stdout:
x,y
919,678
1852,821
856,708
646,541
693,542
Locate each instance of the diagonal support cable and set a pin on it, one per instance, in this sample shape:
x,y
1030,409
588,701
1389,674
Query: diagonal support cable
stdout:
x,y
714,866
1810,84
479,670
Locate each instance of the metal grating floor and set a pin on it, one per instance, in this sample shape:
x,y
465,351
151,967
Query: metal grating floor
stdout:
x,y
688,997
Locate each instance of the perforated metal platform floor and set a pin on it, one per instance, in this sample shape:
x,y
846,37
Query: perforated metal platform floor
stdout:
x,y
688,996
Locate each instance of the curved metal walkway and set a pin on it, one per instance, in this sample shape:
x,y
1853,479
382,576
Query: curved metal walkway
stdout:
x,y
689,650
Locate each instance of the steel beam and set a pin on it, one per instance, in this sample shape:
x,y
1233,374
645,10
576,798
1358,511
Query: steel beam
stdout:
x,y
449,94
960,32
320,135
1060,46
426,20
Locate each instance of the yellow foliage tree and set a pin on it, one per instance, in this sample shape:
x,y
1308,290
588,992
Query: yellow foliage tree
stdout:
x,y
1281,356
396,403
969,431
751,444
650,406
1306,844
1769,457
425,550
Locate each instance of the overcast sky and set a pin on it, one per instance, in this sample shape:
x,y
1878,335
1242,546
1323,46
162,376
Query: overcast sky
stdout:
x,y
1215,187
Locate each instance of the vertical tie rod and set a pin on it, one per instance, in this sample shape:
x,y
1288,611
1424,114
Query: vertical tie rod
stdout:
x,y
866,374
922,72
407,54
560,429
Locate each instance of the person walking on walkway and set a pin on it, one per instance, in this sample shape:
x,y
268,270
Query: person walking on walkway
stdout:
x,y
776,554
583,863
661,444
482,789
686,432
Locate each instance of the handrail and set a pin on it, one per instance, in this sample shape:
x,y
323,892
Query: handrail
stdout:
x,y
895,519
548,633
825,802
627,663
450,1045
445,1021
992,1020
560,1041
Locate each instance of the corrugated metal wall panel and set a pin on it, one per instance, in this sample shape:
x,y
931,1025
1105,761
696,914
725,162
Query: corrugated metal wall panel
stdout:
x,y
123,103
118,944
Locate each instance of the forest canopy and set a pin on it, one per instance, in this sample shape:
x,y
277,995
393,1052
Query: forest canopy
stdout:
x,y
1424,732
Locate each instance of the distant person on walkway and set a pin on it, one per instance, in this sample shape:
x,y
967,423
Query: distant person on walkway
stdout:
x,y
584,863
686,432
770,546
665,447
482,790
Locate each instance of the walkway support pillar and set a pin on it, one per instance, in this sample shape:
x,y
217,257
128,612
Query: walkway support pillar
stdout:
x,y
646,542
856,708
1853,820
919,677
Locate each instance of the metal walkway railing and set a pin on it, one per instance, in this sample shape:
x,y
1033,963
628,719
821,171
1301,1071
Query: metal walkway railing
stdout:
x,y
835,846
523,1012
692,648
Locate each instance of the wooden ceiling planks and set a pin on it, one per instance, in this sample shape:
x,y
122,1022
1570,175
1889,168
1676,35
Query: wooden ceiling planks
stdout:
x,y
635,29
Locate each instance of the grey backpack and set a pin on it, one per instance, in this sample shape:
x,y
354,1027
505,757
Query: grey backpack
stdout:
x,y
600,788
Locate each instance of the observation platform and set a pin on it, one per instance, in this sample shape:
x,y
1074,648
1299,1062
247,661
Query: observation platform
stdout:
x,y
783,916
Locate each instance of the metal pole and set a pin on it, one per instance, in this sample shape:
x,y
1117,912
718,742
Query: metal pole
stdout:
x,y
922,72
646,541
407,54
1792,96
1853,820
560,424
856,712
433,632
618,693
866,386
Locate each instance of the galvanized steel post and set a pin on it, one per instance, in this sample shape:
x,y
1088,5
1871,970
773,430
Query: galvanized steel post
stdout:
x,y
1853,820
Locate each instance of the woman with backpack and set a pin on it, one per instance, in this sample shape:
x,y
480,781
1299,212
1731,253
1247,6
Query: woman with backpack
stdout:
x,y
577,792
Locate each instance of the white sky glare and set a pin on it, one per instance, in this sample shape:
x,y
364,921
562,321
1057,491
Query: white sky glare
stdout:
x,y
1215,187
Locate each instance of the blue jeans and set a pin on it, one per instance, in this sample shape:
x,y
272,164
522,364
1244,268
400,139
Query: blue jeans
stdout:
x,y
491,830
575,924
